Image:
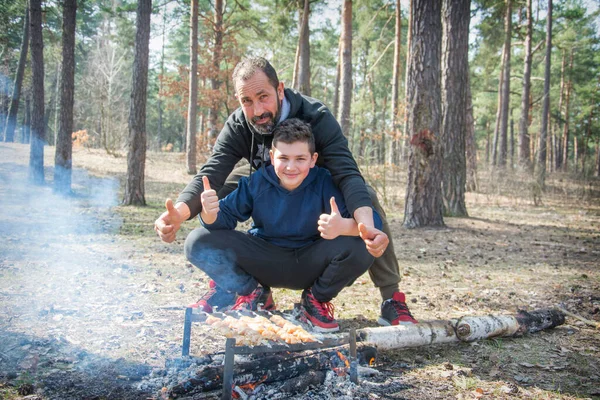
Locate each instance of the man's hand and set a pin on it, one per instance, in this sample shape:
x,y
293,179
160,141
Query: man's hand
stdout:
x,y
376,240
169,222
210,203
331,225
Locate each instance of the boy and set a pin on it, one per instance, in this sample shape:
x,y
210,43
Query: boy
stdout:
x,y
300,238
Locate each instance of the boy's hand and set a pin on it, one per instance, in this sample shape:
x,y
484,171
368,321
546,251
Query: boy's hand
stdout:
x,y
210,202
167,225
376,240
331,225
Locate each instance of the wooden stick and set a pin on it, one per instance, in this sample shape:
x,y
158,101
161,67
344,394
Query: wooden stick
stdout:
x,y
586,321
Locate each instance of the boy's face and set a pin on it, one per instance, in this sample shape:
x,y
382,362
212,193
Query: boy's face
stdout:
x,y
292,163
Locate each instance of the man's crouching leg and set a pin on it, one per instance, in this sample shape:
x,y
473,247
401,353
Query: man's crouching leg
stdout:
x,y
385,274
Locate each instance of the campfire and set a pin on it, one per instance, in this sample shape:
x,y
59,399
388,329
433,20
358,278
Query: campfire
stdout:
x,y
260,356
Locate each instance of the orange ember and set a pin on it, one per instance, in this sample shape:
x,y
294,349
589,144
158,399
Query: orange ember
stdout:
x,y
372,361
344,359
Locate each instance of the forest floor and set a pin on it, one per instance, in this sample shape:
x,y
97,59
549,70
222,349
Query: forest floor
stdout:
x,y
91,300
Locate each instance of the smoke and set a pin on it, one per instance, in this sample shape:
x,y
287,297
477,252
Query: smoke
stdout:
x,y
68,284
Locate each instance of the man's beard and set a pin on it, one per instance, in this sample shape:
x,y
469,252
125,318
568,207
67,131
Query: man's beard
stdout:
x,y
266,129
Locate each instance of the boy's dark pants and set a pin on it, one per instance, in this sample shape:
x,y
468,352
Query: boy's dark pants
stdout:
x,y
238,262
385,271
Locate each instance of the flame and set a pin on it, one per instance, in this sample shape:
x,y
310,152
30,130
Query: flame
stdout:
x,y
372,361
249,387
344,359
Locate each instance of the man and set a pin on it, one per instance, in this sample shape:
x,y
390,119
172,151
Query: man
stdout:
x,y
248,134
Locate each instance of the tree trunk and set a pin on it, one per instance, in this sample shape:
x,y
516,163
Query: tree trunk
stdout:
x,y
471,148
26,128
336,86
494,144
466,329
64,145
503,150
303,58
215,81
423,205
455,78
395,148
11,119
136,157
38,134
524,155
346,70
190,143
542,153
407,133
565,150
557,123
159,105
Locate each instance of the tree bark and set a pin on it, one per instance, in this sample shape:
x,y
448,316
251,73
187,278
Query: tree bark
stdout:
x,y
396,134
64,145
215,81
524,155
455,78
466,329
38,134
540,169
503,134
302,80
565,147
26,129
136,157
336,85
407,133
346,70
423,205
13,110
471,148
190,143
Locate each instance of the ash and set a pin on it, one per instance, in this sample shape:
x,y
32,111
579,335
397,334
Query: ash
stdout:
x,y
315,385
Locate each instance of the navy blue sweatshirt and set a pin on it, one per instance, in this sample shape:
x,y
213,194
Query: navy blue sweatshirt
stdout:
x,y
282,217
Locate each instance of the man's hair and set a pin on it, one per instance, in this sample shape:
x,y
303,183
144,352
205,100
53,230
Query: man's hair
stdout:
x,y
294,130
246,69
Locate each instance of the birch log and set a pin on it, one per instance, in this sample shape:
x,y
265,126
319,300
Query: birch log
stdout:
x,y
465,329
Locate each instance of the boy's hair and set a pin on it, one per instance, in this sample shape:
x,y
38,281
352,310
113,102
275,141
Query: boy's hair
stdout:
x,y
246,69
294,130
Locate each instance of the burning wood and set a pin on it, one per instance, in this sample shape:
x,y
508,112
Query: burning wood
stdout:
x,y
274,367
466,329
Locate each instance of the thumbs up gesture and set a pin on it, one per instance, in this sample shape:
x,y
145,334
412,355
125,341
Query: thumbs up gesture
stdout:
x,y
210,203
332,225
167,225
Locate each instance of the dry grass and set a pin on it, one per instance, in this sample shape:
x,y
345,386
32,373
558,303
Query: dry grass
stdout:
x,y
508,254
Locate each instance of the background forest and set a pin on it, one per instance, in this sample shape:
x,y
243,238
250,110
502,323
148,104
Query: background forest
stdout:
x,y
503,125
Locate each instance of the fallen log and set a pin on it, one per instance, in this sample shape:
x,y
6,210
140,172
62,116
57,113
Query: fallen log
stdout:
x,y
466,329
273,367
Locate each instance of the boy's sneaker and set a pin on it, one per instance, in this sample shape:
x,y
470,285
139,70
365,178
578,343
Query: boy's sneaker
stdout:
x,y
215,297
394,311
259,299
320,315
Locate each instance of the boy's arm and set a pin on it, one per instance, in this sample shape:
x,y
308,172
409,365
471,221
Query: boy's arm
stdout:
x,y
334,224
235,207
210,203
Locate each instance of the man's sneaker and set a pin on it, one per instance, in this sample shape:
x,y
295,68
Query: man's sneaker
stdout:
x,y
320,315
215,297
394,311
259,299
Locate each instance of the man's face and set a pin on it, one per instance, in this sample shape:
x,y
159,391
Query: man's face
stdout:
x,y
292,163
260,101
